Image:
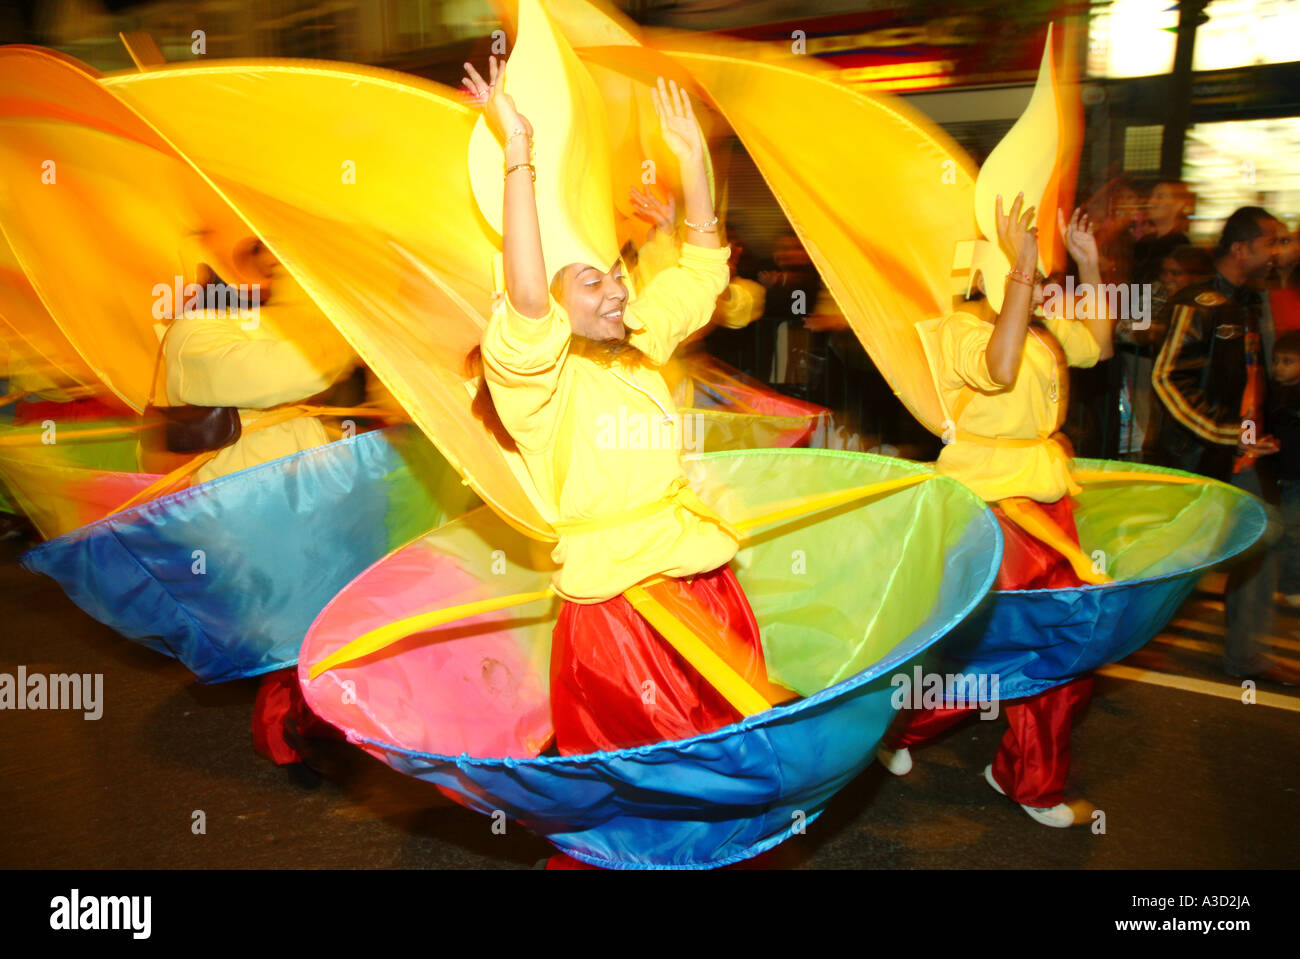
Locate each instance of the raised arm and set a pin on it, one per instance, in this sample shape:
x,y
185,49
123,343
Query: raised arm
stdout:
x,y
1082,245
681,299
527,284
682,134
1019,240
212,362
525,343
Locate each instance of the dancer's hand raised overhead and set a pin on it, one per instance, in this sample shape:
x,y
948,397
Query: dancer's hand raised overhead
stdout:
x,y
1079,240
503,118
682,134
662,214
677,122
1017,234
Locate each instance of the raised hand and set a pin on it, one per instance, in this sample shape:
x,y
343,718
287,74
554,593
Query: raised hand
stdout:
x,y
1017,234
1079,239
677,122
662,214
503,118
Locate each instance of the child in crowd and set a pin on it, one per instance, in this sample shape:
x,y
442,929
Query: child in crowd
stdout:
x,y
1284,424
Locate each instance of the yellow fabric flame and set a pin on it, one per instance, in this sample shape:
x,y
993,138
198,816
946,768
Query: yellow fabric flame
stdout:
x,y
571,148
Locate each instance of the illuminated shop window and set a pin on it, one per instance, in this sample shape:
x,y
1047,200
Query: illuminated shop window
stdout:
x,y
1243,33
1142,148
1132,38
1242,163
1136,38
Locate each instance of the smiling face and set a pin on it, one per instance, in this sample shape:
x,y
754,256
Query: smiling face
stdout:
x,y
594,300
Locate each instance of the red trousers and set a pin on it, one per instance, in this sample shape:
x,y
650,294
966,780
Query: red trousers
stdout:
x,y
1028,563
1034,759
615,682
280,699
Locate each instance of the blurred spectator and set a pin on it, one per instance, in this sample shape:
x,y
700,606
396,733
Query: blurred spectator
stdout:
x,y
1094,417
1284,288
1181,268
1185,265
1115,209
1210,376
1167,210
1284,423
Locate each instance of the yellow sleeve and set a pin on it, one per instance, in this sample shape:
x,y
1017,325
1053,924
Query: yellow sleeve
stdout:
x,y
677,302
657,254
522,362
1076,341
211,361
742,305
963,343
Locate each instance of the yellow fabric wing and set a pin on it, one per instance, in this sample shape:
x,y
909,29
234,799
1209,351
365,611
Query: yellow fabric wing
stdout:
x,y
356,179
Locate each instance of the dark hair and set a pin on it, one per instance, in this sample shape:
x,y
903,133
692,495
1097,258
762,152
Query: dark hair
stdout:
x,y
1288,342
1194,259
1148,185
1244,226
483,409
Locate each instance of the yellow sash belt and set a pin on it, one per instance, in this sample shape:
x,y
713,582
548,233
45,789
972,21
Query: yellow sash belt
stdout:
x,y
1006,442
679,493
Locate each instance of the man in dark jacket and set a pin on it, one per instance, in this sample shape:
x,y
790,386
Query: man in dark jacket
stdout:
x,y
1211,375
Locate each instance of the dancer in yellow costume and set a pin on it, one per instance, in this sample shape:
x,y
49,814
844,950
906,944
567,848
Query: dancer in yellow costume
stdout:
x,y
739,305
256,358
565,352
1004,384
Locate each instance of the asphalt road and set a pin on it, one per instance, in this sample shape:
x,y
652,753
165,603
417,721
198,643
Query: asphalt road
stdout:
x,y
1187,777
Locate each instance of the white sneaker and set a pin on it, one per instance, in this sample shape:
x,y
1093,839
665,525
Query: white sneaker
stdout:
x,y
897,761
1060,816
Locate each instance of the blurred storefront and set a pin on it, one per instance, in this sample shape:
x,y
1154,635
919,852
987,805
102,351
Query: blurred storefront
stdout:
x,y
1242,135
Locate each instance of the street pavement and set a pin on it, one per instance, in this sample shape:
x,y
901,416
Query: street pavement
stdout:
x,y
1187,775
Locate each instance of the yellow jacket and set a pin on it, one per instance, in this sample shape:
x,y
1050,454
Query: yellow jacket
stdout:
x,y
1001,444
211,360
601,439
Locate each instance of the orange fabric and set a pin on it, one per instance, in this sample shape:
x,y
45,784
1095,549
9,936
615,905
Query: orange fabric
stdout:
x,y
1052,535
1028,563
1252,398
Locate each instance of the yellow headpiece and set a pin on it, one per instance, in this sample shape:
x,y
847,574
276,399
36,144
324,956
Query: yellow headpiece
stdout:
x,y
1030,158
575,204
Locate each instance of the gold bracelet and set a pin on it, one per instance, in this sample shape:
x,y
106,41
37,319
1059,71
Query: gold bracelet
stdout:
x,y
519,132
703,227
520,166
1019,277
